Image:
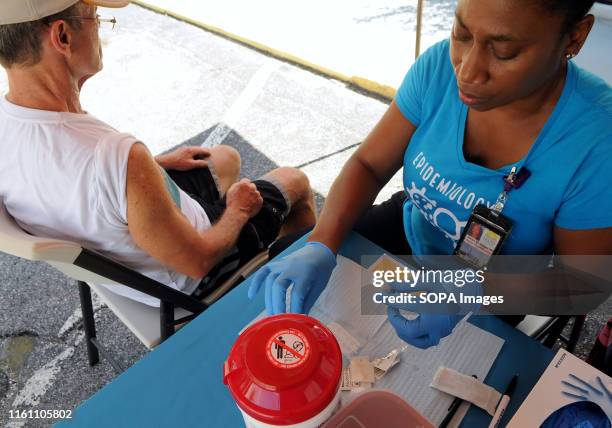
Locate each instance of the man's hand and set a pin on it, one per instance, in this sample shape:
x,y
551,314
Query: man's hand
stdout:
x,y
244,197
184,158
161,230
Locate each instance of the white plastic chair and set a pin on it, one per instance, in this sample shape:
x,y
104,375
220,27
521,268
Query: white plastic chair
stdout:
x,y
548,330
149,324
533,325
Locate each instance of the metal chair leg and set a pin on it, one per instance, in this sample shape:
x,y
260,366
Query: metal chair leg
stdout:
x,y
89,324
575,333
118,367
555,331
166,320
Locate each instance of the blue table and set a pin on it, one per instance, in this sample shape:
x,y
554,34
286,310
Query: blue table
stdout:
x,y
179,384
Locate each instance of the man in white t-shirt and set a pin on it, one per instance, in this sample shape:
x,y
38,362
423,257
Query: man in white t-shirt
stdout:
x,y
181,218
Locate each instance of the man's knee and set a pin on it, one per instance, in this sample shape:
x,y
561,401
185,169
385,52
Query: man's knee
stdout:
x,y
225,159
294,181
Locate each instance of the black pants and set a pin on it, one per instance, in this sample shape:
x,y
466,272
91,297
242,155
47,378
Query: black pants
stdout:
x,y
260,231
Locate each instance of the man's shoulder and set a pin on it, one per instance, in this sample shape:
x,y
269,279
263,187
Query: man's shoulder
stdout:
x,y
88,132
52,125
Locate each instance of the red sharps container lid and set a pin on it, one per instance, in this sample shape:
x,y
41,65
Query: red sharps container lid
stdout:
x,y
284,369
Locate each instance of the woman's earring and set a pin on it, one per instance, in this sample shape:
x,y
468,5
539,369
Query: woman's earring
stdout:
x,y
569,56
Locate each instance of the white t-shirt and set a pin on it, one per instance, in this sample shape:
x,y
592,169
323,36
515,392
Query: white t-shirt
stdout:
x,y
63,176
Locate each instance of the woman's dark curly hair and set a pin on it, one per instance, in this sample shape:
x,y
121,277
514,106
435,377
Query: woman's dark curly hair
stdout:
x,y
574,10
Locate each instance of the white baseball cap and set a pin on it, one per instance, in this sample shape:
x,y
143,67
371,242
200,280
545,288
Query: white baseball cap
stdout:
x,y
16,11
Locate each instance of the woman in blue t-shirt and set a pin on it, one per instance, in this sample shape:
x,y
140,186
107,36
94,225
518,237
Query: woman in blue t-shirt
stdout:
x,y
501,96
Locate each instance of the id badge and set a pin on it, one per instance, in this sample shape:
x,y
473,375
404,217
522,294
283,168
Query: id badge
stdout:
x,y
483,236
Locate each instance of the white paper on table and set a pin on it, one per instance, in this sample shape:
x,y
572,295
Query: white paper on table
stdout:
x,y
469,350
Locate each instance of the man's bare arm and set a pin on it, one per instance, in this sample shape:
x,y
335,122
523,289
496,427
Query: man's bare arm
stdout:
x,y
184,158
161,230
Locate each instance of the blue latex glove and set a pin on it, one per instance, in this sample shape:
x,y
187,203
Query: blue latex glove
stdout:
x,y
594,391
425,331
308,269
580,414
435,321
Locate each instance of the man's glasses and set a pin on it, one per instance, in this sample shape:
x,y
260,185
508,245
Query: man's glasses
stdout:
x,y
110,20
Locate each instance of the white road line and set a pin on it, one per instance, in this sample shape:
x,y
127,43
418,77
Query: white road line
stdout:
x,y
72,320
39,383
241,105
77,316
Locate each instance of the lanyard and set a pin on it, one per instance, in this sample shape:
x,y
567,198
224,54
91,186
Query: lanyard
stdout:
x,y
514,180
517,177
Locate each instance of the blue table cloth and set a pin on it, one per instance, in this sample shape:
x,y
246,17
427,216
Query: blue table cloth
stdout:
x,y
179,384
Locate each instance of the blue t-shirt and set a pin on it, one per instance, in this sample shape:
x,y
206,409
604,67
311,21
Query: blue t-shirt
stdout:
x,y
570,163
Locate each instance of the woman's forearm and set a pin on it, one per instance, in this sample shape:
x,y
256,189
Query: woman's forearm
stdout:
x,y
366,172
352,192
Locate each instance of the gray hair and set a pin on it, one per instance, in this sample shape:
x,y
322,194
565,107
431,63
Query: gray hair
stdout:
x,y
20,44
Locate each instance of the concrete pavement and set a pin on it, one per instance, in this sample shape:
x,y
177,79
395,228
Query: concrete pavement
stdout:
x,y
369,43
